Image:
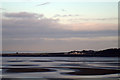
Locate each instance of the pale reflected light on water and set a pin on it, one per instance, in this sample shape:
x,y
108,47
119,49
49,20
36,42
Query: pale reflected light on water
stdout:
x,y
60,68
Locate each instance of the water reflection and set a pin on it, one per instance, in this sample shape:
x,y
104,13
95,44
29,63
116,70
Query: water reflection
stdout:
x,y
91,71
41,61
26,70
65,68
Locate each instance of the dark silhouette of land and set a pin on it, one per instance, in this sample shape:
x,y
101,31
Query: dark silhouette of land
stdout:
x,y
113,52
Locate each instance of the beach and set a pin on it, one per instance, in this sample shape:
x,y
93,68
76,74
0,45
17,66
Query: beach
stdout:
x,y
71,68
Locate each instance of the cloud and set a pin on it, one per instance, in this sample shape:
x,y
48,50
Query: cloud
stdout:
x,y
92,19
91,27
58,45
68,15
48,27
78,17
64,10
44,3
2,9
24,29
23,15
107,38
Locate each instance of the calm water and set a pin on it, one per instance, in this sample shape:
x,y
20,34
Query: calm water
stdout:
x,y
67,68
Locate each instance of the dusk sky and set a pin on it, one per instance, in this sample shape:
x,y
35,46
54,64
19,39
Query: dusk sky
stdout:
x,y
59,26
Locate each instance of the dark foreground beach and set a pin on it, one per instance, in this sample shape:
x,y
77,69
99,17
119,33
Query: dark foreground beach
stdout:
x,y
65,68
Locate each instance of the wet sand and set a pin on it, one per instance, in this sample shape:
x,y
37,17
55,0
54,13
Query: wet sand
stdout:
x,y
15,61
76,71
91,71
40,61
22,65
44,67
26,70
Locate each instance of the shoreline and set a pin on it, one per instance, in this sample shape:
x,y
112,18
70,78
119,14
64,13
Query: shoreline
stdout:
x,y
59,56
113,52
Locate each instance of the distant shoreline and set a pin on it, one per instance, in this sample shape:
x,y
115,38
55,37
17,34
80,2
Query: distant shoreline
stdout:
x,y
114,52
60,56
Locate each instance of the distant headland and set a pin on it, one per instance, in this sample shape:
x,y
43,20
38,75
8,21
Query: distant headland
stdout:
x,y
112,52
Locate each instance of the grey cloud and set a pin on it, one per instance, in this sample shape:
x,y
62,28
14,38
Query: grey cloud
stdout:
x,y
23,15
64,10
92,19
55,45
105,19
44,3
80,17
68,15
2,9
30,34
44,28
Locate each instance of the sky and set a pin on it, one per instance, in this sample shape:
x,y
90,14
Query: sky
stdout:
x,y
59,26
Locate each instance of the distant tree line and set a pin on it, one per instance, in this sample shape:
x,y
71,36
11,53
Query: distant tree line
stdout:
x,y
108,52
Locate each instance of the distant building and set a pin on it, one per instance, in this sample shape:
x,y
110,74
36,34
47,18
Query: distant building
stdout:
x,y
76,52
